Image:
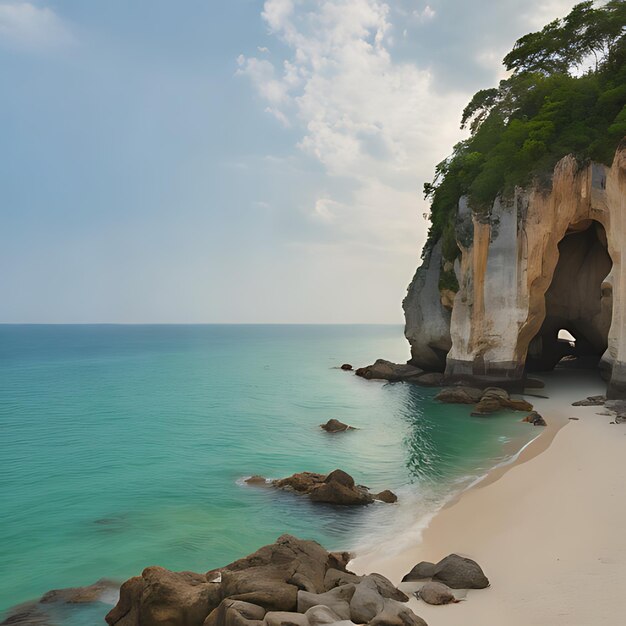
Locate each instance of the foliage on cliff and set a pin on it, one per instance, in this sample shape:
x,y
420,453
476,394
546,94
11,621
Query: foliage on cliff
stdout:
x,y
566,95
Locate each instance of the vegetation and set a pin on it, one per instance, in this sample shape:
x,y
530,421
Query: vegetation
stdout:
x,y
566,95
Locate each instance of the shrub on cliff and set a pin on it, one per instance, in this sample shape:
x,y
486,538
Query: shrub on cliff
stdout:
x,y
566,95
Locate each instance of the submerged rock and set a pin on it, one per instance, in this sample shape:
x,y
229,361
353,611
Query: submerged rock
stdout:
x,y
535,419
335,426
421,571
256,480
436,593
460,573
459,395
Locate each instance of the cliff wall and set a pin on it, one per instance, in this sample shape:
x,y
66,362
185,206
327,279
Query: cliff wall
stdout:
x,y
539,261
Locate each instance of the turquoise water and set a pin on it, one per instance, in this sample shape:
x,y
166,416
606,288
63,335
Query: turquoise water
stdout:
x,y
124,446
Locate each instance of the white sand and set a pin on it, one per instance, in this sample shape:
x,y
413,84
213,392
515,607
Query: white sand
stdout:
x,y
548,530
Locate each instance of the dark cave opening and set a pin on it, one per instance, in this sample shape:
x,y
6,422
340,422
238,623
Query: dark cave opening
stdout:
x,y
578,301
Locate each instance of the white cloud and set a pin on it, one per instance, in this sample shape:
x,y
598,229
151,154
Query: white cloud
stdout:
x,y
376,125
426,14
26,26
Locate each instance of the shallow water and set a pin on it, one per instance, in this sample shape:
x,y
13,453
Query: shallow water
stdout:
x,y
122,446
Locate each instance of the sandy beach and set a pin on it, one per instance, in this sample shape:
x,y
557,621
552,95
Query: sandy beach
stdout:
x,y
548,529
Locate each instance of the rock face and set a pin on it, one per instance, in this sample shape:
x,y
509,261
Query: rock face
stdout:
x,y
288,583
537,262
427,326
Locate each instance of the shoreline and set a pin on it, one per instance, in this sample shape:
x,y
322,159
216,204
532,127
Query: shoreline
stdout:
x,y
532,527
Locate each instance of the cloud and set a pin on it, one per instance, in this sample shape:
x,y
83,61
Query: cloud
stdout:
x,y
375,125
28,27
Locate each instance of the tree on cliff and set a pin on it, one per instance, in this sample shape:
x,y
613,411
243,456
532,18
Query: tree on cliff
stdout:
x,y
566,95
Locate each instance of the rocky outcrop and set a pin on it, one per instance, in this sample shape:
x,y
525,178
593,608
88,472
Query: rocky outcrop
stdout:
x,y
289,583
539,261
399,372
487,401
338,487
535,419
427,326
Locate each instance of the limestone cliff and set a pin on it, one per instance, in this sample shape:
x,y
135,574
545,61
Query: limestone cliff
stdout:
x,y
540,261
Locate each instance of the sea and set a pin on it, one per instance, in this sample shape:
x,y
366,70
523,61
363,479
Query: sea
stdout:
x,y
124,446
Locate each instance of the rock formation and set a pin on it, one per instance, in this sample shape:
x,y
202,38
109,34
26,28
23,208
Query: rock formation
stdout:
x,y
540,261
291,582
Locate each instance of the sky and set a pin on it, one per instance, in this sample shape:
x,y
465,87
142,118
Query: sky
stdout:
x,y
231,161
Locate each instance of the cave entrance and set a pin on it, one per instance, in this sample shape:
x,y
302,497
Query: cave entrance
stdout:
x,y
578,303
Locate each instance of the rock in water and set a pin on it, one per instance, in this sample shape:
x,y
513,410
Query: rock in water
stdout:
x,y
459,395
460,573
335,426
386,496
338,487
393,372
535,419
346,367
436,593
422,570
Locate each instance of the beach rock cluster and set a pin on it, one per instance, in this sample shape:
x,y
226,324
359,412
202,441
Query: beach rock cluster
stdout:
x,y
487,401
289,583
452,572
399,372
338,487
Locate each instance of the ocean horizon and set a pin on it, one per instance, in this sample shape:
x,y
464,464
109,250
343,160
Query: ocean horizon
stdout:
x,y
126,446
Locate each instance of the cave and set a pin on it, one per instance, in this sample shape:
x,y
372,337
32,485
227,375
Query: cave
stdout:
x,y
578,303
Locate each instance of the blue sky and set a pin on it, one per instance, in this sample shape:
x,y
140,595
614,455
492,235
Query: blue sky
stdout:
x,y
230,160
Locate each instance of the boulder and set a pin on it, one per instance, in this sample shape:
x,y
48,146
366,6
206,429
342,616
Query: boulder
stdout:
x,y
335,426
269,579
321,615
346,367
301,482
495,399
386,496
436,593
393,372
535,419
591,401
422,570
366,602
396,614
235,613
386,588
282,618
160,597
336,578
459,395
337,599
338,487
460,573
